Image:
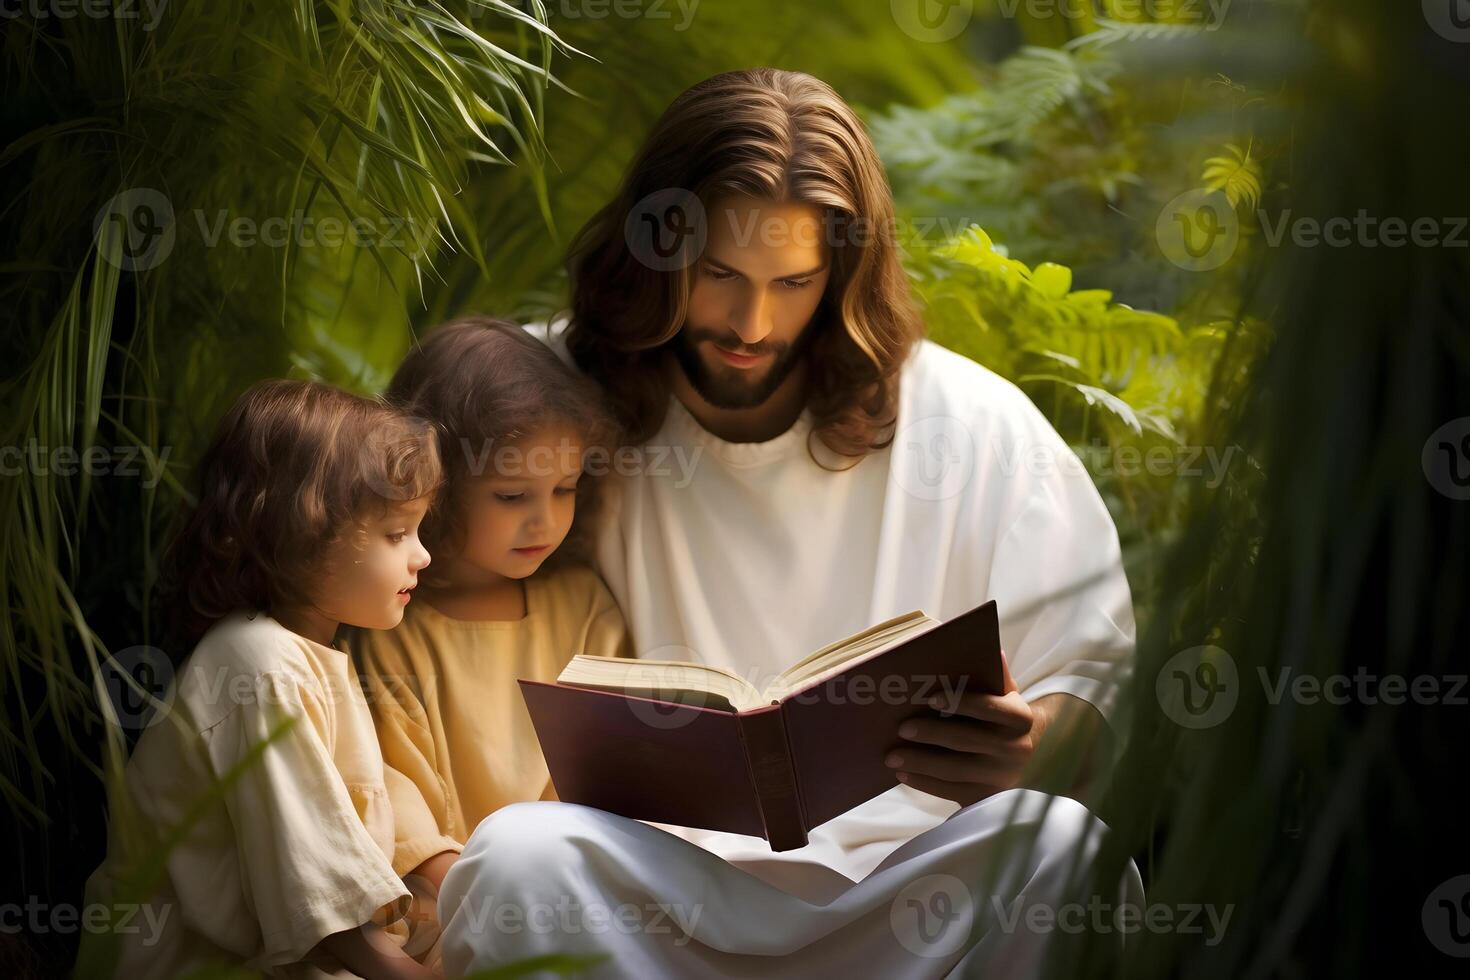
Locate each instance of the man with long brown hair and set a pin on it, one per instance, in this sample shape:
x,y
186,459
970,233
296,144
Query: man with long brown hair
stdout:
x,y
742,303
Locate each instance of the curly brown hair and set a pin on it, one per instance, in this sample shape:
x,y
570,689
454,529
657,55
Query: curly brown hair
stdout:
x,y
775,135
485,382
293,467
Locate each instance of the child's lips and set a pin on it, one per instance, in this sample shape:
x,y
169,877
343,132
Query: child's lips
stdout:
x,y
535,549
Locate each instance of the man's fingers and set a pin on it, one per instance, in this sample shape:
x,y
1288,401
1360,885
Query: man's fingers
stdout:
x,y
961,793
963,735
956,767
1008,711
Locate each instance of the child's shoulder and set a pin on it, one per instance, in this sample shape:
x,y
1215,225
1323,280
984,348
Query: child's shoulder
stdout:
x,y
231,657
248,638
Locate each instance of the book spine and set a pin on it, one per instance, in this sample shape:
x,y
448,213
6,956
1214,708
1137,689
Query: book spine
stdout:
x,y
772,772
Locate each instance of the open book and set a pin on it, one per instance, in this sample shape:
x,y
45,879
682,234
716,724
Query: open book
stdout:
x,y
696,746
713,687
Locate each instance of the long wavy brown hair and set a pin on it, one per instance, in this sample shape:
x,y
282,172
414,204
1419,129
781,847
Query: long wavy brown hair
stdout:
x,y
294,466
774,135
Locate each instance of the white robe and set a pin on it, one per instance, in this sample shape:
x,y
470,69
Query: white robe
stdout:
x,y
749,556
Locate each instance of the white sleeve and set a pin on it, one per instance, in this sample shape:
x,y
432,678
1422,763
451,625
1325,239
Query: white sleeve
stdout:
x,y
1066,613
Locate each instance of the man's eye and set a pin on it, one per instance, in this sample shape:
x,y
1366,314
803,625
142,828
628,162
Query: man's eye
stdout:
x,y
509,498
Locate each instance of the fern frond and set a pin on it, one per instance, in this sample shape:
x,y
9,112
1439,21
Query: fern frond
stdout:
x,y
1110,32
1235,173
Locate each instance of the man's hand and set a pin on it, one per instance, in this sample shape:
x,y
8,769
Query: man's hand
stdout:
x,y
981,745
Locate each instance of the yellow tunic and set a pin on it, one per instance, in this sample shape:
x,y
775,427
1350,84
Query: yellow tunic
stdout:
x,y
456,737
295,846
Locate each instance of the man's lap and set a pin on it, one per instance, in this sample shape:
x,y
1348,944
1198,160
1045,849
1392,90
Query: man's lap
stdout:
x,y
773,918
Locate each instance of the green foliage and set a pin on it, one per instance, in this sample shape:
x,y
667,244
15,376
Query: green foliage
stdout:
x,y
1029,190
641,64
1236,174
1070,156
1128,389
229,110
1005,315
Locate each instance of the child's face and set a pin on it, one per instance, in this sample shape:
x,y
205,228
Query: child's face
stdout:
x,y
367,575
521,509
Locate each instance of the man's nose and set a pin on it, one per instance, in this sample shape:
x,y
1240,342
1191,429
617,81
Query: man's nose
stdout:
x,y
752,319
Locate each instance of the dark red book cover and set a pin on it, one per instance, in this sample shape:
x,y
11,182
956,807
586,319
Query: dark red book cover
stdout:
x,y
776,771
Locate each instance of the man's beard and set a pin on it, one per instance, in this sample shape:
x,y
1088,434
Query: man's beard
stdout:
x,y
728,388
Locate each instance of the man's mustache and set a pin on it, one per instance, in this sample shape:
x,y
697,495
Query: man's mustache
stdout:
x,y
731,341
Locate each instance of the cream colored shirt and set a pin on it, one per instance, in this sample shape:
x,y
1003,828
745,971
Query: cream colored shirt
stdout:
x,y
269,744
454,729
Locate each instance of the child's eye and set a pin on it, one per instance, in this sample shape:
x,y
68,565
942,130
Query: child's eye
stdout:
x,y
563,491
397,536
509,498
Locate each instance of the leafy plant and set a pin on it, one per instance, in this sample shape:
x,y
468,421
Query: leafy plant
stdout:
x,y
1236,174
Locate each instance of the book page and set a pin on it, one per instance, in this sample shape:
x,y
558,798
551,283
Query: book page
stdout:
x,y
707,686
837,657
702,685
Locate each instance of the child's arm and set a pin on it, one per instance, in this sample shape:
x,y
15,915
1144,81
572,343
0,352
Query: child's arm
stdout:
x,y
424,883
373,961
290,808
435,868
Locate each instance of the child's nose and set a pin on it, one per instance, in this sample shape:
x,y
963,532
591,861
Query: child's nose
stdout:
x,y
541,515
